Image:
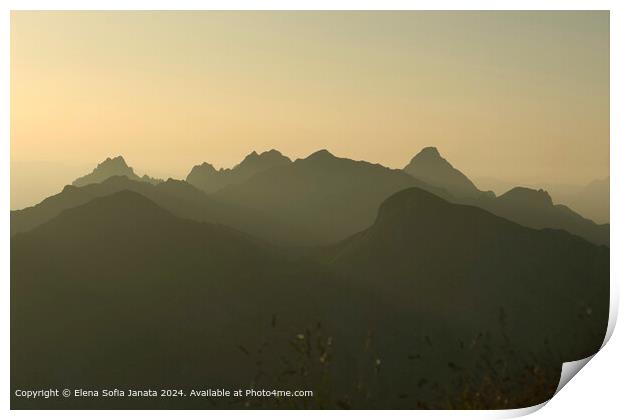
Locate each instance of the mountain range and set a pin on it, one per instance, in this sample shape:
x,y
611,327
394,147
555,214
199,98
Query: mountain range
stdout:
x,y
208,179
178,197
316,200
118,291
591,199
112,167
374,287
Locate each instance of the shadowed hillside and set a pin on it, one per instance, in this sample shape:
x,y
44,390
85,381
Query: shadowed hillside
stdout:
x,y
330,196
120,292
535,208
461,261
178,197
525,206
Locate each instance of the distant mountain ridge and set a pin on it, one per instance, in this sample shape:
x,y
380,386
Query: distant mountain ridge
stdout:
x,y
208,179
112,167
429,166
591,200
536,209
527,206
178,197
330,196
318,199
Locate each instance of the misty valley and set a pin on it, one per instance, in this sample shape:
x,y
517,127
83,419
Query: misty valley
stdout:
x,y
372,287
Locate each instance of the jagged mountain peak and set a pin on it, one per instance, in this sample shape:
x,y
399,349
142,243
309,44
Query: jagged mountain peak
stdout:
x,y
208,179
428,156
428,152
270,157
109,167
526,195
116,164
118,160
429,166
204,167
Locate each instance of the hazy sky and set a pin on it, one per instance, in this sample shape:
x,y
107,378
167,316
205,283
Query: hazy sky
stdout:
x,y
512,95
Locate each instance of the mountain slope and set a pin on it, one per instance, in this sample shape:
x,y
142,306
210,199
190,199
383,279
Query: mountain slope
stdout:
x,y
592,200
109,168
208,179
525,206
535,208
329,196
429,166
466,263
119,292
178,197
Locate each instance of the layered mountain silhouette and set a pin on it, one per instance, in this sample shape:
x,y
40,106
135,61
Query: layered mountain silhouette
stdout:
x,y
535,208
109,168
430,167
121,292
438,257
422,243
526,206
330,196
137,295
208,179
591,200
320,199
178,197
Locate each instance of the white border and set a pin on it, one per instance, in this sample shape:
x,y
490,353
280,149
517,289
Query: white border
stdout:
x,y
593,394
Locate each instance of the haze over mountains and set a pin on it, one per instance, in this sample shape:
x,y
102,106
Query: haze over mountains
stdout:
x,y
590,200
319,199
430,167
178,197
112,167
329,196
208,179
119,292
121,280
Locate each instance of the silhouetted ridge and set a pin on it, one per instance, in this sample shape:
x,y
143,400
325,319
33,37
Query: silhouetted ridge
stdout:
x,y
208,179
322,154
410,202
591,200
328,197
319,199
269,158
117,163
112,167
125,202
429,152
126,275
178,197
429,166
420,215
203,168
121,211
68,188
527,196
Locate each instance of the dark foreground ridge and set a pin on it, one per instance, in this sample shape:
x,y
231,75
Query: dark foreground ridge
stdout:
x,y
119,292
